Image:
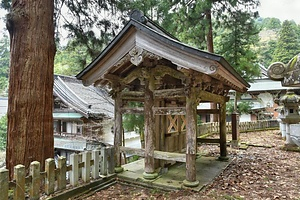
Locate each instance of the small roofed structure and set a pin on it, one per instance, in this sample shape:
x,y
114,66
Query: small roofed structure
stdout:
x,y
144,63
81,110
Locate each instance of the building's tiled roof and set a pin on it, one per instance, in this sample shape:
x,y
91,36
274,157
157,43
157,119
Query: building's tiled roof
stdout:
x,y
263,85
91,102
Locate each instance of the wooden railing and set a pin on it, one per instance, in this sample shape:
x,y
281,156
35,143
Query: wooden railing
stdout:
x,y
83,167
213,127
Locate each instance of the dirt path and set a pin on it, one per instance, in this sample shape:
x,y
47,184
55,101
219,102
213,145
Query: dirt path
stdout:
x,y
256,173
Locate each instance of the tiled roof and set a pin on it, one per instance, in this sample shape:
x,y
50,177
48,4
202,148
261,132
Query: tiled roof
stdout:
x,y
90,101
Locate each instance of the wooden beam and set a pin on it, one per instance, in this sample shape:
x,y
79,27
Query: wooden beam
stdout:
x,y
167,93
208,140
162,70
169,110
207,96
172,156
112,77
208,111
132,110
126,94
133,151
158,94
137,73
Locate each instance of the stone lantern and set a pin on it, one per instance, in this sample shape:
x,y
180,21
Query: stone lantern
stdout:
x,y
290,113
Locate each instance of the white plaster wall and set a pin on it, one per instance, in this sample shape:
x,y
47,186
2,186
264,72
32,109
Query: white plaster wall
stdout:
x,y
108,136
245,118
69,127
203,106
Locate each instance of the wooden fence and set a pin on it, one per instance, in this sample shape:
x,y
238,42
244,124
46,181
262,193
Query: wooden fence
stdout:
x,y
213,127
83,167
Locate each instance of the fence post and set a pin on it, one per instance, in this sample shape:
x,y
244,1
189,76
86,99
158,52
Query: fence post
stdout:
x,y
111,160
86,157
35,181
19,176
74,172
50,178
61,178
4,184
235,130
79,161
103,160
95,168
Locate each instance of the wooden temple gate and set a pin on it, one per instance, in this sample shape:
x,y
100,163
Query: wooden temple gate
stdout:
x,y
146,64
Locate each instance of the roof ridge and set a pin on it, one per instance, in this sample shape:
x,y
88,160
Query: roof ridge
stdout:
x,y
69,96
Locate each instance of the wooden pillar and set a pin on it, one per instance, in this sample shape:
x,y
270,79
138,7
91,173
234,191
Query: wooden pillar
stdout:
x,y
149,130
223,147
191,137
59,127
118,130
157,133
162,132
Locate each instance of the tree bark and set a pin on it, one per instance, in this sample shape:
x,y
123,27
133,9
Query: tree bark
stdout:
x,y
30,105
209,36
210,48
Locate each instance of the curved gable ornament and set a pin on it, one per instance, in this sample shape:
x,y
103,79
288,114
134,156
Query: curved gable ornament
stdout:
x,y
288,74
136,55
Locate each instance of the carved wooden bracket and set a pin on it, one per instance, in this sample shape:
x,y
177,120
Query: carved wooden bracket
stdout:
x,y
136,55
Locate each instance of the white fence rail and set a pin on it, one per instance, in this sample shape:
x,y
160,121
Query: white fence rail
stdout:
x,y
213,127
83,167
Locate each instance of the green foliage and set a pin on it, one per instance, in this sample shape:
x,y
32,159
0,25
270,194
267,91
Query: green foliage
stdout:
x,y
266,52
4,65
70,60
236,43
243,107
271,23
134,122
288,44
3,132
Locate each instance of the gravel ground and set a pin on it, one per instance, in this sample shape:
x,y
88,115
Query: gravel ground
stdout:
x,y
263,171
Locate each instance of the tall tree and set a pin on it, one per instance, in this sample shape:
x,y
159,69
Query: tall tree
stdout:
x,y
288,44
236,44
88,24
69,60
30,121
271,23
266,52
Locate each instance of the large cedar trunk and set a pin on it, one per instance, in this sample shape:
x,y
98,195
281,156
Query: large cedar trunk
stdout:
x,y
30,121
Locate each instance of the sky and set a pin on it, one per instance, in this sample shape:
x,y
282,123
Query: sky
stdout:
x,y
281,9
